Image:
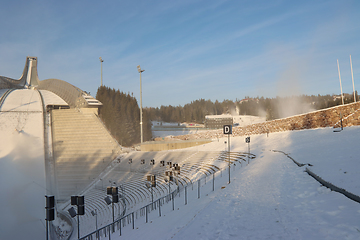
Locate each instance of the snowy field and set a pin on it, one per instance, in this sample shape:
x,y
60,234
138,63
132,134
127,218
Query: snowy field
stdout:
x,y
271,198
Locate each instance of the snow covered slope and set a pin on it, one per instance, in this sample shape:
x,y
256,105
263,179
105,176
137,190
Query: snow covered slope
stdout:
x,y
271,198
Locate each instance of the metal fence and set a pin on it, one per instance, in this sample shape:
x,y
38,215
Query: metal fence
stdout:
x,y
144,212
158,205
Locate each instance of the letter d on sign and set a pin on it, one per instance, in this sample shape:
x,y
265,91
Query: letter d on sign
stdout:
x,y
227,129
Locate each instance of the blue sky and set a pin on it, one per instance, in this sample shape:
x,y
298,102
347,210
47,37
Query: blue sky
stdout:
x,y
190,49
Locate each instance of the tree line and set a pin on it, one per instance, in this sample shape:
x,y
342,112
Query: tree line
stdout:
x,y
270,108
121,115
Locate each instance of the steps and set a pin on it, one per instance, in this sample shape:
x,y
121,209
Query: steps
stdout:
x,y
83,148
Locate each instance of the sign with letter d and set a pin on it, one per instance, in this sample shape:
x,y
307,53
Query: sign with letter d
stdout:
x,y
227,129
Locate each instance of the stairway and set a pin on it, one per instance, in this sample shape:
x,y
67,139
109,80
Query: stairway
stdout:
x,y
82,147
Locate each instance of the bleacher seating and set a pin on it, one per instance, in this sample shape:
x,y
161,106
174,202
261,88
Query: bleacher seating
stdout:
x,y
83,148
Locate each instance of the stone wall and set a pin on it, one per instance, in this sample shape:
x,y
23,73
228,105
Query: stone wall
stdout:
x,y
329,117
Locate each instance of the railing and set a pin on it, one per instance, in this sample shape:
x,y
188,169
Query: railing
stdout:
x,y
159,204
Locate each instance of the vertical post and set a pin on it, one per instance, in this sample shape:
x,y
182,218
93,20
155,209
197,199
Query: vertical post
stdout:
x,y
47,230
159,209
173,203
113,212
50,212
352,77
152,199
342,97
229,154
199,188
120,226
341,123
146,214
96,219
141,120
78,225
133,220
185,195
213,181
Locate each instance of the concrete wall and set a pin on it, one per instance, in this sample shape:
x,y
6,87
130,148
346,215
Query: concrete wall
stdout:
x,y
168,145
329,117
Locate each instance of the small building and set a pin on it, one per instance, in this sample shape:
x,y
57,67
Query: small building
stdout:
x,y
218,121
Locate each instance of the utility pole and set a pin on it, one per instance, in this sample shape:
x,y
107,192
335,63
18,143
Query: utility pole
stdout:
x,y
342,97
352,77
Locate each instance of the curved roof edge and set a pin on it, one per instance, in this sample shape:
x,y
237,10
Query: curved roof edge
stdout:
x,y
72,95
28,79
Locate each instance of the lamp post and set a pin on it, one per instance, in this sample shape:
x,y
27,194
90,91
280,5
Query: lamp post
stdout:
x,y
101,61
141,122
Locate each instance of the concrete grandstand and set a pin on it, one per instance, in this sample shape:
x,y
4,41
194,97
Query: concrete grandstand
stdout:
x,y
53,143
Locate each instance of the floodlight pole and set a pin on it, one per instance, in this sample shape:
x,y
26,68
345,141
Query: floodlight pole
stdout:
x,y
342,97
101,61
141,120
352,77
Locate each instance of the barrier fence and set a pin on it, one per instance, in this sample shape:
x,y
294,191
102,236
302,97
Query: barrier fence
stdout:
x,y
160,205
144,212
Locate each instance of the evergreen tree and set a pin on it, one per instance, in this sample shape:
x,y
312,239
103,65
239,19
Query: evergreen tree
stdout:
x,y
121,115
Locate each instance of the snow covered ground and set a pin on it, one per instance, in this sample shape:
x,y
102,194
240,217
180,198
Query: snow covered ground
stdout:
x,y
22,167
271,198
